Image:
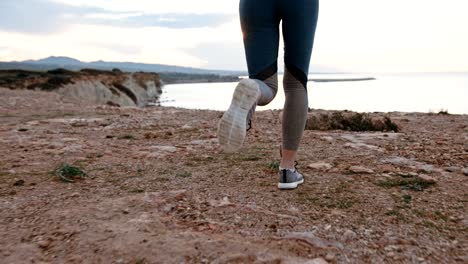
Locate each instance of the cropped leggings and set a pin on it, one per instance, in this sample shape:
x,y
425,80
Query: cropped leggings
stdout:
x,y
260,20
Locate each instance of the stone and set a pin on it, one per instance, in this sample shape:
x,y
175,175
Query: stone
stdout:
x,y
19,183
170,149
452,169
349,235
327,138
427,178
390,248
187,127
320,166
204,141
220,203
311,239
360,169
44,243
330,257
72,148
465,171
388,168
317,261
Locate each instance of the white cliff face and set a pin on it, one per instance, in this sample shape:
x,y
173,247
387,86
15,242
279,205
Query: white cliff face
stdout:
x,y
94,92
134,90
146,91
92,86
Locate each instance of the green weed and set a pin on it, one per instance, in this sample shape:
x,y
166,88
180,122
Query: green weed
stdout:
x,y
184,174
127,137
413,183
67,173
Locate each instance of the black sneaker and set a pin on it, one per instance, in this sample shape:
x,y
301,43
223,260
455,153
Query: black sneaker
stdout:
x,y
289,179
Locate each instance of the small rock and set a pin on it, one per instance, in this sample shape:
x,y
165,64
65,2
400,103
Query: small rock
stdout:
x,y
320,166
456,219
349,235
465,171
391,248
19,183
219,203
388,168
204,142
421,259
360,169
75,194
452,169
187,127
427,178
170,149
327,138
391,254
330,257
317,261
44,243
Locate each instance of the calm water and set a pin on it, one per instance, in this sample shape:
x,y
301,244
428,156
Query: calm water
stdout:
x,y
390,92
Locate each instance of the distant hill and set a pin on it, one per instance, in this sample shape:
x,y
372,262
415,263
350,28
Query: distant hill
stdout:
x,y
55,62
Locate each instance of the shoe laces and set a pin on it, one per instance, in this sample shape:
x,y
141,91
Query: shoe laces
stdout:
x,y
249,125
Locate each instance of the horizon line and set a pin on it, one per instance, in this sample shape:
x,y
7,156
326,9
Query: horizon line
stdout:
x,y
243,71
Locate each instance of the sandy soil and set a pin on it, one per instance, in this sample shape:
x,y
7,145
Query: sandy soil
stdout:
x,y
160,191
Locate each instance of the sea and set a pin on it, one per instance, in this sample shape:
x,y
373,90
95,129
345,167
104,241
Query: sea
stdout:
x,y
407,92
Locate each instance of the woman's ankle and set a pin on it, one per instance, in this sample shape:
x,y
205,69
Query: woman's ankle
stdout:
x,y
287,165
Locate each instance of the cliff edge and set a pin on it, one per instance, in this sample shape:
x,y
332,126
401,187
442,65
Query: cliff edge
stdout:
x,y
94,86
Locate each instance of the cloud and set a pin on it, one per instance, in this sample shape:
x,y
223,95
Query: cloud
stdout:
x,y
162,6
42,16
228,56
164,20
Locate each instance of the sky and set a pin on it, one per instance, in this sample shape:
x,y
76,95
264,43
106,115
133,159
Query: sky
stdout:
x,y
358,35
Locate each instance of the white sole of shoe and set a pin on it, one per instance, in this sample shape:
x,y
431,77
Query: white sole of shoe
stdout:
x,y
289,186
232,126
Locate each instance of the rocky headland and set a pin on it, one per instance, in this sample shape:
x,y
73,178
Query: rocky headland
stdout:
x,y
93,86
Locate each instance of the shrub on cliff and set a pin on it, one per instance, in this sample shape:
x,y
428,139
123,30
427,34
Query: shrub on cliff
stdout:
x,y
350,121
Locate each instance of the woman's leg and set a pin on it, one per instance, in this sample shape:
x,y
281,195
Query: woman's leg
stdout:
x,y
260,22
299,24
260,27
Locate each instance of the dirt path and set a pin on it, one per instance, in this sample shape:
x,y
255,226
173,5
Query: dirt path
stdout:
x,y
160,191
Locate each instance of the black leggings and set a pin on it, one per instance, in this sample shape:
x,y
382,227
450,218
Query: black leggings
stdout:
x,y
260,21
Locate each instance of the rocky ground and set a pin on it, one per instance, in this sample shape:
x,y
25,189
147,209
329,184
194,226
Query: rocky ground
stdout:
x,y
159,190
